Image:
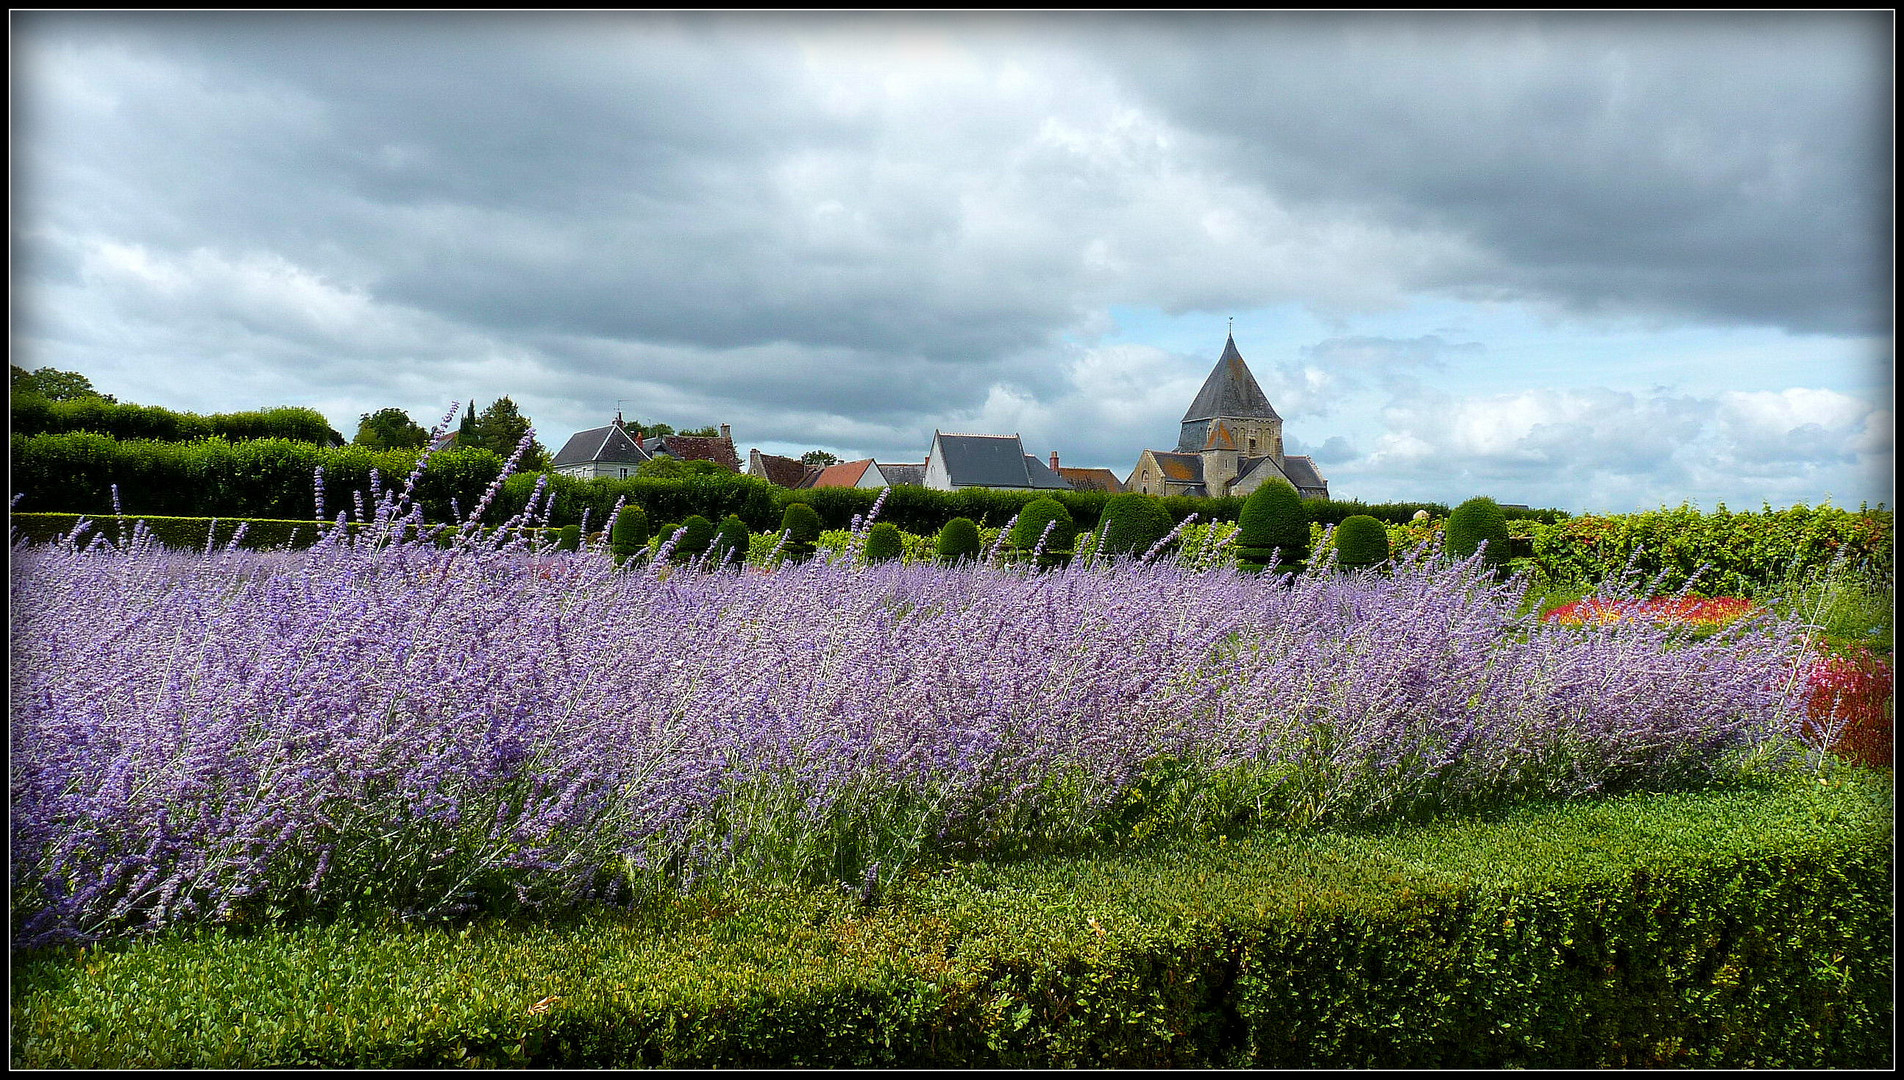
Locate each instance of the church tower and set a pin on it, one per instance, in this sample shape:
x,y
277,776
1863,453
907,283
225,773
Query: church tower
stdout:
x,y
1231,441
1231,412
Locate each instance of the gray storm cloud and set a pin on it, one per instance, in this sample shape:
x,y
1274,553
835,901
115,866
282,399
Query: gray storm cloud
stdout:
x,y
847,231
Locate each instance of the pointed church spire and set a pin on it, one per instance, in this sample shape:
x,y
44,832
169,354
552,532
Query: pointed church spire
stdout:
x,y
1230,391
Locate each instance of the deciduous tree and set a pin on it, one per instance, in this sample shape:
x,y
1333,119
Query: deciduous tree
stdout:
x,y
390,429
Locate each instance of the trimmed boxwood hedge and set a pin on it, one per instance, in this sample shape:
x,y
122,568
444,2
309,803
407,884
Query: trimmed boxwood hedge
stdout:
x,y
1744,927
192,533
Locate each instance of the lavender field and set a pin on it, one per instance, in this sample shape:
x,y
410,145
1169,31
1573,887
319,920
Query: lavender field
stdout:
x,y
391,726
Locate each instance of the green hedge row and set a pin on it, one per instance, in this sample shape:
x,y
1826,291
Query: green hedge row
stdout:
x,y
33,415
1746,552
194,533
1749,927
271,478
260,478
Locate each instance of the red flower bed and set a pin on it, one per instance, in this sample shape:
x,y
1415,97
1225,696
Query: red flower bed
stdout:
x,y
1717,611
1849,694
1853,695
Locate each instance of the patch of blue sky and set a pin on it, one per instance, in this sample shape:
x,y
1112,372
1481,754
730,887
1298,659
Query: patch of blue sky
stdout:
x,y
1470,348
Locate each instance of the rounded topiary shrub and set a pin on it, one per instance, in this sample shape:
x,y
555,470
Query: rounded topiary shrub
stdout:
x,y
1032,521
1360,542
731,540
803,522
1132,523
568,538
958,540
1273,529
629,534
1474,521
695,541
883,542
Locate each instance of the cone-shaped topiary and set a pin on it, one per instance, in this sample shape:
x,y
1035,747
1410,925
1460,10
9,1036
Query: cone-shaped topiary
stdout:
x,y
731,540
1132,523
804,523
1360,541
629,535
693,543
883,542
1031,527
1478,519
568,538
958,540
1274,529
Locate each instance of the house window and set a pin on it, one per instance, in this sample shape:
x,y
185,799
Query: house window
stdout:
x,y
624,474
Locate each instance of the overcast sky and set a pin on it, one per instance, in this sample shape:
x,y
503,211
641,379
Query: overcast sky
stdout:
x,y
1599,262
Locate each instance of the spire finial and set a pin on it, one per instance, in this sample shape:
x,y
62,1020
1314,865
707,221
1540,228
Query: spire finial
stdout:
x,y
1232,328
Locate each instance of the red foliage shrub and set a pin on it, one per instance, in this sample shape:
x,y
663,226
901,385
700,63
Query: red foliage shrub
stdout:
x,y
1851,695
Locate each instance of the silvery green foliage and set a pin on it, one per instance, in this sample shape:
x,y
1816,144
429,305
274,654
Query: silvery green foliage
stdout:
x,y
385,721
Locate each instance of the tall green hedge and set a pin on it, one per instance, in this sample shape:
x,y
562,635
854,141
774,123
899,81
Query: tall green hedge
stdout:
x,y
33,415
271,479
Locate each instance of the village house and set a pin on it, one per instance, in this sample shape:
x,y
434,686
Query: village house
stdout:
x,y
1231,441
792,473
992,461
615,451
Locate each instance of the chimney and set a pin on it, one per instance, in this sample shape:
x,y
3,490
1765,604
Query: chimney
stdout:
x,y
727,433
1054,461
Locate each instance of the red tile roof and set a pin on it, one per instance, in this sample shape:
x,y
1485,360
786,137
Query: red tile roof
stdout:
x,y
1092,479
845,474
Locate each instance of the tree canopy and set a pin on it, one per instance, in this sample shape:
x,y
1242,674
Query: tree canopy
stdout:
x,y
500,427
53,384
390,429
818,457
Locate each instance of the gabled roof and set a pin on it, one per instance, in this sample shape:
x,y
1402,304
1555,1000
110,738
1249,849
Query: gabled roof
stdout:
x,y
1301,470
1250,466
995,461
845,474
904,473
1042,476
1092,479
1179,468
1230,391
694,448
610,443
784,472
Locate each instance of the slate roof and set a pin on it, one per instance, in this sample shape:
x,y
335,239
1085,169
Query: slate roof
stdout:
x,y
1092,479
1230,391
611,443
995,461
1301,470
1042,476
904,473
1245,467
